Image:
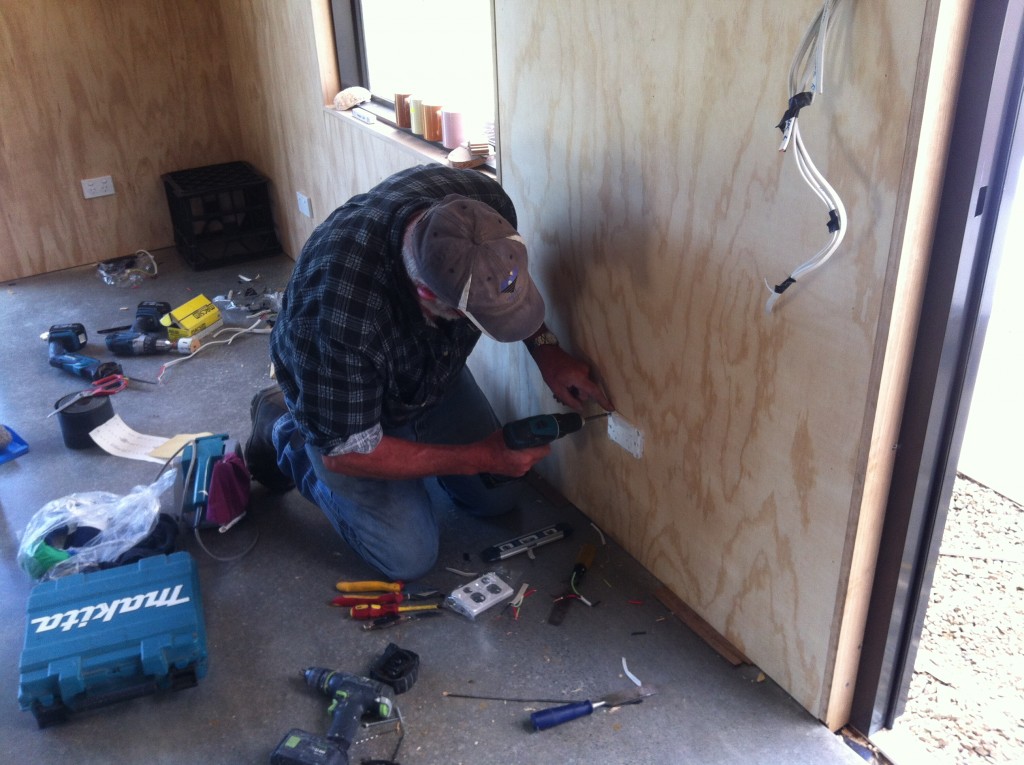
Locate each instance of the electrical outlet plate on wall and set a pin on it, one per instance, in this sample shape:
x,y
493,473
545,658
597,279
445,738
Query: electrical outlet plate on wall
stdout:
x,y
97,187
625,435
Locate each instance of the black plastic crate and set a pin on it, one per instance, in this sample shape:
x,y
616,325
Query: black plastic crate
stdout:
x,y
221,214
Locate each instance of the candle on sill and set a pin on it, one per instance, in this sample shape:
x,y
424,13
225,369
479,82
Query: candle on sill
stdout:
x,y
453,131
432,122
402,118
416,115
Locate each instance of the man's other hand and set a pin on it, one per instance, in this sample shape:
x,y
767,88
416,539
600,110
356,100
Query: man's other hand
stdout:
x,y
569,378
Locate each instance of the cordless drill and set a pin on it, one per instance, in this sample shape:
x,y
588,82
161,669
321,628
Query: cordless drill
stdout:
x,y
542,429
351,697
146,335
63,340
537,430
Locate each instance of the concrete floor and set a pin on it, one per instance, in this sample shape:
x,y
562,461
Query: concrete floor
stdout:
x,y
267,615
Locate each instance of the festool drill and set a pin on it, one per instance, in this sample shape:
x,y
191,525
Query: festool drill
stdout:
x,y
351,698
63,340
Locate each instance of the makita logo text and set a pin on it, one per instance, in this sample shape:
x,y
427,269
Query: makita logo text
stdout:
x,y
79,617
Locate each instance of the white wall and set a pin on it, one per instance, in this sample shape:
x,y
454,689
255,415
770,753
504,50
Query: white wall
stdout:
x,y
992,453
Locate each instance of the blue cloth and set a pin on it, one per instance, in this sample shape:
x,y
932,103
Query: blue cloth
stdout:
x,y
393,525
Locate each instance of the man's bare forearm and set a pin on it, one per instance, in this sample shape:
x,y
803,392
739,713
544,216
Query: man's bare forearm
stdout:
x,y
399,459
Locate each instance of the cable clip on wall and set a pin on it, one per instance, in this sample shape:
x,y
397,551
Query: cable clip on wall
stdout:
x,y
810,60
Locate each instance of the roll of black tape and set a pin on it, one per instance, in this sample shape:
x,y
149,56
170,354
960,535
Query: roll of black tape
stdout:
x,y
79,419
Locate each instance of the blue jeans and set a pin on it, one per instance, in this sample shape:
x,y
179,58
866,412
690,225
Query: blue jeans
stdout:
x,y
393,525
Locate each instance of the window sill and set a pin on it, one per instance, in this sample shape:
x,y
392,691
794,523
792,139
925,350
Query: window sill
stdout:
x,y
424,149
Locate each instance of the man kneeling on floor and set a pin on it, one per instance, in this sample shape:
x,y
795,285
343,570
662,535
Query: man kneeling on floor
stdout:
x,y
387,300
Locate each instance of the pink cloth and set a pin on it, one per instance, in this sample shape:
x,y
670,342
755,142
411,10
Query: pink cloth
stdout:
x,y
229,490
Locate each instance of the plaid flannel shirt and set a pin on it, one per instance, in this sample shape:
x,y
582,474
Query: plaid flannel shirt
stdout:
x,y
352,350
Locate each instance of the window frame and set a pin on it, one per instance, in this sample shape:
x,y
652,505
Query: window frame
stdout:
x,y
347,20
353,68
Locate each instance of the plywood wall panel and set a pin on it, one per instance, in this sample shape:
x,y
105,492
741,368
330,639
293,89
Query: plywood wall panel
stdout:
x,y
282,54
93,88
645,171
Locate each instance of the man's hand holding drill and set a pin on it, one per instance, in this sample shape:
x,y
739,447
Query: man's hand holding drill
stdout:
x,y
499,459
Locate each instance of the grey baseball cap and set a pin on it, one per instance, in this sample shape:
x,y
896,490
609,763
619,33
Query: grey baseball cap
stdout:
x,y
474,260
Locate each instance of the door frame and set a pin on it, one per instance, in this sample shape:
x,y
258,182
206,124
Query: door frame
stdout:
x,y
983,162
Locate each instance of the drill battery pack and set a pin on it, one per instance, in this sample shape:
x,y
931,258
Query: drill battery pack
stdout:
x,y
95,638
300,747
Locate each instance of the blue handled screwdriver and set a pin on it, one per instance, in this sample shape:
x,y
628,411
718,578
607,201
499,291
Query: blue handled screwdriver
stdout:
x,y
549,718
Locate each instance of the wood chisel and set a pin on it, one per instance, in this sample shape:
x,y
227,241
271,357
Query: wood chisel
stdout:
x,y
549,718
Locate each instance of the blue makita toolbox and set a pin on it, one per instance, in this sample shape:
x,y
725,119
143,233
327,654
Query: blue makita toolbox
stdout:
x,y
104,636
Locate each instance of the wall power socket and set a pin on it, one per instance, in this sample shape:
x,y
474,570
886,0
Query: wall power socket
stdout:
x,y
625,435
97,187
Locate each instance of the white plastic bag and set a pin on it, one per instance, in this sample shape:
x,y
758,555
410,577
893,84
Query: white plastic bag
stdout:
x,y
120,522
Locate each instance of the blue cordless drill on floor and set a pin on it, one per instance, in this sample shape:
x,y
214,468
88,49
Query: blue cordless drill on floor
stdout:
x,y
145,336
63,340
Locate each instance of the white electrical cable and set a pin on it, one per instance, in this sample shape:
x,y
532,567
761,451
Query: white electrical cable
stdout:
x,y
630,675
254,328
810,60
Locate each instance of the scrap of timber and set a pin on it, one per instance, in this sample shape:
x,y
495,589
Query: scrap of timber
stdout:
x,y
705,631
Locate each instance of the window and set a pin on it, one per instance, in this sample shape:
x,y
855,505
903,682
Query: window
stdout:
x,y
439,52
